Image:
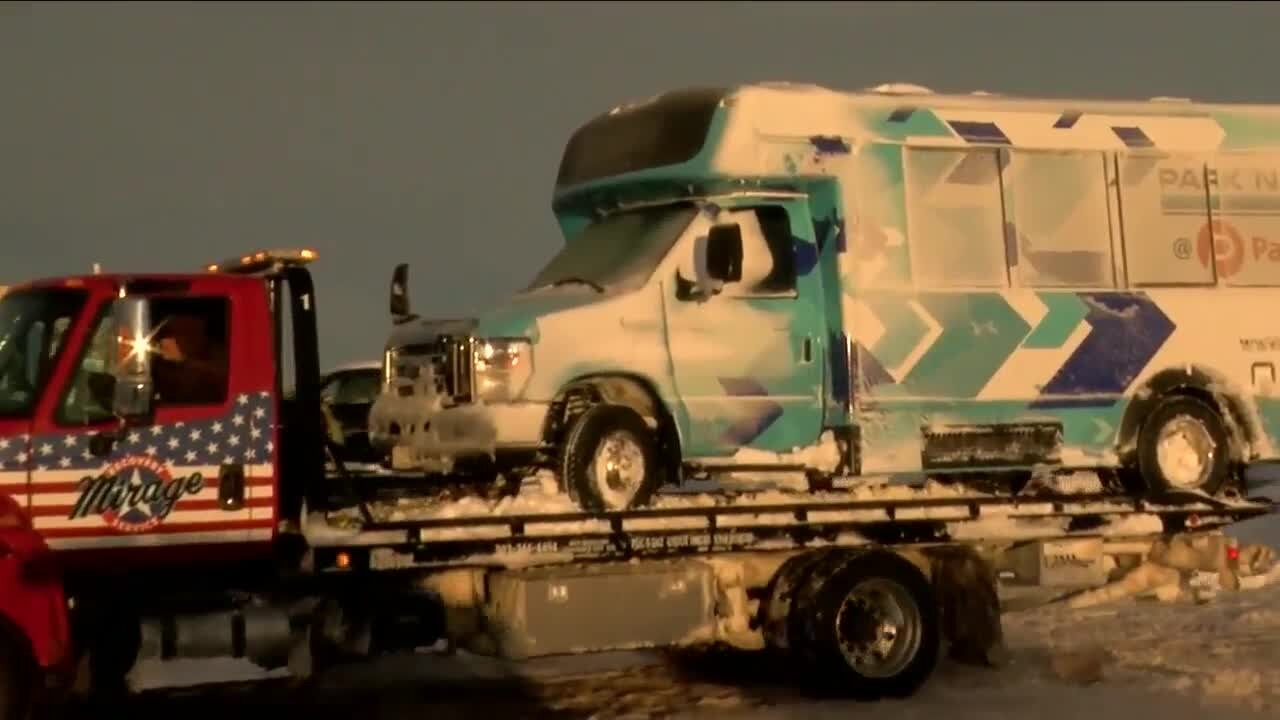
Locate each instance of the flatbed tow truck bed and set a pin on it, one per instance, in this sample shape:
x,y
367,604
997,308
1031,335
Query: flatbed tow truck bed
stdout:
x,y
803,573
540,527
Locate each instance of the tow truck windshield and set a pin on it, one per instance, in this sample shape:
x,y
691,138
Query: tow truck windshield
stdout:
x,y
33,324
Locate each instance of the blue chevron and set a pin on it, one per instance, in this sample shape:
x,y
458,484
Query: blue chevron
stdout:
x,y
1128,329
830,145
758,417
745,430
869,369
742,387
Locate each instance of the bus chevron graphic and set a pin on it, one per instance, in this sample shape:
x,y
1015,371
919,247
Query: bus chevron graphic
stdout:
x,y
904,330
953,344
1127,330
1063,314
979,332
750,420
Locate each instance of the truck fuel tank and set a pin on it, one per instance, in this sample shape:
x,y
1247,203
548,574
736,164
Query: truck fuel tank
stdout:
x,y
614,606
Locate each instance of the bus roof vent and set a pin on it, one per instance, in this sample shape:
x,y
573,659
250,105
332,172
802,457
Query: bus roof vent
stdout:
x,y
900,88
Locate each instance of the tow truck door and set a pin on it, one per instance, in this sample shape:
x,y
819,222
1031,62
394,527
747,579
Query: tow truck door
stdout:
x,y
15,449
187,476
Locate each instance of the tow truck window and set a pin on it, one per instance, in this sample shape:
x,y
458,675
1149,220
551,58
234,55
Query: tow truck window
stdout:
x,y
190,362
78,406
32,326
191,366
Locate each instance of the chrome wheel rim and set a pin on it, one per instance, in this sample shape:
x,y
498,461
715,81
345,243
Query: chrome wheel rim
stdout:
x,y
878,628
618,469
1185,452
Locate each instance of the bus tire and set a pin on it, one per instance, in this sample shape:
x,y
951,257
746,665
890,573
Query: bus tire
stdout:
x,y
1183,446
18,677
872,630
610,459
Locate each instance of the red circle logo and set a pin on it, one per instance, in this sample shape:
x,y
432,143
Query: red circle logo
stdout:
x,y
1221,242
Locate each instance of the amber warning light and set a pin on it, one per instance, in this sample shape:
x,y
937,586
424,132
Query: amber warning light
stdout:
x,y
263,260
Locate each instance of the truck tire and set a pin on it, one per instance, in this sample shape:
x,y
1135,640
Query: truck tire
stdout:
x,y
780,596
1183,446
871,628
610,460
17,680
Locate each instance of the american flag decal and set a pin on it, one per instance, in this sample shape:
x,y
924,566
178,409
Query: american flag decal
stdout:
x,y
159,485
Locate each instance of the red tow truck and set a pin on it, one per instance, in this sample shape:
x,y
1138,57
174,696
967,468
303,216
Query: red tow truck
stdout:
x,y
161,498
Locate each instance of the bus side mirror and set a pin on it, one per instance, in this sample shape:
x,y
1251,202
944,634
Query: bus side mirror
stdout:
x,y
398,299
724,253
133,392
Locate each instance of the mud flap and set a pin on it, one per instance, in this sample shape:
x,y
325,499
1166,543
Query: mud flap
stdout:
x,y
966,587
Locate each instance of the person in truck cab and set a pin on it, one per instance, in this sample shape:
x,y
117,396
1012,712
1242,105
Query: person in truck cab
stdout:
x,y
190,365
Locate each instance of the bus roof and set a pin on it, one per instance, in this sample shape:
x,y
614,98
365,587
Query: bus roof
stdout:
x,y
719,132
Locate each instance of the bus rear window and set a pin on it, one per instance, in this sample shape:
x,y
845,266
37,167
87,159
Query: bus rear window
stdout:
x,y
667,131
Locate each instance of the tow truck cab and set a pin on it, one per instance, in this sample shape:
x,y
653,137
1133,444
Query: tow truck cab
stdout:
x,y
143,432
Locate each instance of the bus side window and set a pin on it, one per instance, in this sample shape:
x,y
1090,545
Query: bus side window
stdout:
x,y
954,217
1166,210
1246,242
1057,223
768,253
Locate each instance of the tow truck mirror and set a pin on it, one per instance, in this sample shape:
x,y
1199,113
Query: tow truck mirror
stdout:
x,y
398,300
724,253
133,391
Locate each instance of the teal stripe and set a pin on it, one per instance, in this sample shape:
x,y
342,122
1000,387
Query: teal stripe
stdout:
x,y
1230,203
1064,316
903,330
979,332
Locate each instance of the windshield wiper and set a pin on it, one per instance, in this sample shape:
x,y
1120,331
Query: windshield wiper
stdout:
x,y
579,280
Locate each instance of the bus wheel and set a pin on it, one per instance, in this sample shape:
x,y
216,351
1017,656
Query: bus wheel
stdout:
x,y
17,678
1184,446
610,459
873,629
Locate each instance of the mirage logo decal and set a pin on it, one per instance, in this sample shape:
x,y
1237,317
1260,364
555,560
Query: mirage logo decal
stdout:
x,y
134,495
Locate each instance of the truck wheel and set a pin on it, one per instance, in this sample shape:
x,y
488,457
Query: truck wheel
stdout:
x,y
1183,445
17,678
781,596
872,629
610,459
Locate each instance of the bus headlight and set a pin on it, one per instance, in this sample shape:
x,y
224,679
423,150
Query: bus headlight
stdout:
x,y
503,368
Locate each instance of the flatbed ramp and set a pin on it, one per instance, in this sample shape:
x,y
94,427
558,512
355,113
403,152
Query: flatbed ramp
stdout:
x,y
541,528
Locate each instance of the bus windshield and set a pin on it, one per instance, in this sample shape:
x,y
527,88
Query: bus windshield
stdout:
x,y
618,251
33,324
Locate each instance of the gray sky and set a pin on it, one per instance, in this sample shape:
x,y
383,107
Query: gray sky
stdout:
x,y
160,136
